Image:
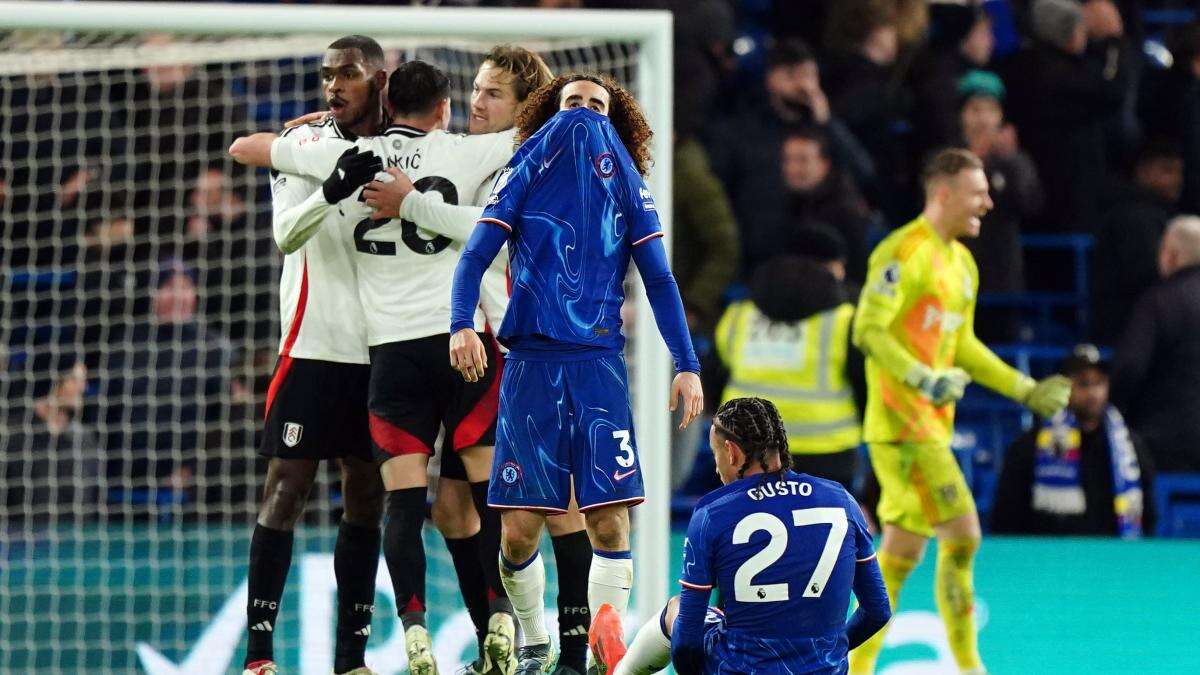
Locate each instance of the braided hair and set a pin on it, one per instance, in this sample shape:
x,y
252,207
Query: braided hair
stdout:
x,y
756,426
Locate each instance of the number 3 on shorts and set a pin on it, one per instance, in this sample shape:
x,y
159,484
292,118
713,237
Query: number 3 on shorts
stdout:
x,y
625,460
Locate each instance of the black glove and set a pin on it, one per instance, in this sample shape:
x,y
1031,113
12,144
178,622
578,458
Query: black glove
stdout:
x,y
354,169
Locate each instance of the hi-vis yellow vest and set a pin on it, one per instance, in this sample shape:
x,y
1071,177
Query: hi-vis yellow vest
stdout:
x,y
800,367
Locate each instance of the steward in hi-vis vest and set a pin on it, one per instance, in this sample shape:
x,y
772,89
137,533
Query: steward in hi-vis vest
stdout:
x,y
790,343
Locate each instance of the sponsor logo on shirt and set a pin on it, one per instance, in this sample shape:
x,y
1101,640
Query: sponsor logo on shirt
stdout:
x,y
647,200
949,321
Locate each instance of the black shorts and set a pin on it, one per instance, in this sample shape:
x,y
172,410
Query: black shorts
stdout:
x,y
317,410
415,393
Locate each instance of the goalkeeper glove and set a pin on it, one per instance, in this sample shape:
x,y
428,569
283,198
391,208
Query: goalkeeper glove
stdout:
x,y
1048,396
354,169
941,387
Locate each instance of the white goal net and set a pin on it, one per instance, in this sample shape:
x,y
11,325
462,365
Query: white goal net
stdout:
x,y
138,329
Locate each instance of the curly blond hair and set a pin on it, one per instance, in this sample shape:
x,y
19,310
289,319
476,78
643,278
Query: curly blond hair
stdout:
x,y
623,111
528,68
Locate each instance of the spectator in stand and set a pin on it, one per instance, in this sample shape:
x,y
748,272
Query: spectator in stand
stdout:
x,y
822,194
705,256
960,40
235,261
1125,259
50,182
1064,87
1156,374
1170,106
1080,473
745,146
166,385
175,127
49,458
790,342
1016,194
704,60
863,40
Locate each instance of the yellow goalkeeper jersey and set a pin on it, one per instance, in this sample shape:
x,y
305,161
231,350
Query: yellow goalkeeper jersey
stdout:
x,y
918,307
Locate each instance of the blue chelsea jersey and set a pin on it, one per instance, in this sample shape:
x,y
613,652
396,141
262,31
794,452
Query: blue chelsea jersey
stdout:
x,y
782,549
574,206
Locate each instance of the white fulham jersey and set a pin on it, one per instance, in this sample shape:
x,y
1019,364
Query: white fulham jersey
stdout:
x,y
405,273
320,314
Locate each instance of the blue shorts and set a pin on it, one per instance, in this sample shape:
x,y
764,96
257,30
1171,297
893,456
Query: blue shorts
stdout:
x,y
727,653
564,420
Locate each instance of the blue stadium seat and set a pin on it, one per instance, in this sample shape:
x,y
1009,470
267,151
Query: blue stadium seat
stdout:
x,y
1177,503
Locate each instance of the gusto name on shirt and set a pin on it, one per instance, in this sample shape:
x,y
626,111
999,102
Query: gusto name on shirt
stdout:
x,y
779,488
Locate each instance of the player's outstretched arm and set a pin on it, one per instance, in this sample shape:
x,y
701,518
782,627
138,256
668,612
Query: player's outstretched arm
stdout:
x,y
253,150
398,199
467,354
874,610
1044,398
295,225
650,256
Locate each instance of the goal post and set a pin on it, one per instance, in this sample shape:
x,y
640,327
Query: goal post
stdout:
x,y
278,30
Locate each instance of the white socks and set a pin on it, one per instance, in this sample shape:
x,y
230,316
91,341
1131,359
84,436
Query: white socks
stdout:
x,y
650,651
526,586
610,580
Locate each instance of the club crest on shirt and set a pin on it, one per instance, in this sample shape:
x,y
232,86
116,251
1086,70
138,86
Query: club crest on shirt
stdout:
x,y
606,166
510,473
292,433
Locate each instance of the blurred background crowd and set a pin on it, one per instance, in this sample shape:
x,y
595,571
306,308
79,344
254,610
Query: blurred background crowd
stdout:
x,y
800,130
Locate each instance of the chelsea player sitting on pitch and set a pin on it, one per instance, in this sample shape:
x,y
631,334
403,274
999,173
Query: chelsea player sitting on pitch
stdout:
x,y
784,549
573,209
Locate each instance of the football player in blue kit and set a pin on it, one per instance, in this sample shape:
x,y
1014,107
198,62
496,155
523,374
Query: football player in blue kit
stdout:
x,y
574,210
784,549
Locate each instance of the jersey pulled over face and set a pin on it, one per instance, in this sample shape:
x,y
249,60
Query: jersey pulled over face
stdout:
x,y
405,273
575,206
922,290
782,548
319,310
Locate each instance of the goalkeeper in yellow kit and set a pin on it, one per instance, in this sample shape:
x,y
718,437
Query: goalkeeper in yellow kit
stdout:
x,y
914,323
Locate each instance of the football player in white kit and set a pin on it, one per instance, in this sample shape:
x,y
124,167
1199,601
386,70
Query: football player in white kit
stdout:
x,y
404,281
507,76
316,402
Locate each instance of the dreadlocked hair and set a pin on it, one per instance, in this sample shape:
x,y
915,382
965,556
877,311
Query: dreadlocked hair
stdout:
x,y
756,426
623,112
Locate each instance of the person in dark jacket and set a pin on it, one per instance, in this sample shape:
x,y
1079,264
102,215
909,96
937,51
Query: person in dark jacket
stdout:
x,y
705,256
1169,106
1016,192
960,40
1081,473
745,146
1063,90
49,455
1156,373
863,40
1125,258
823,195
